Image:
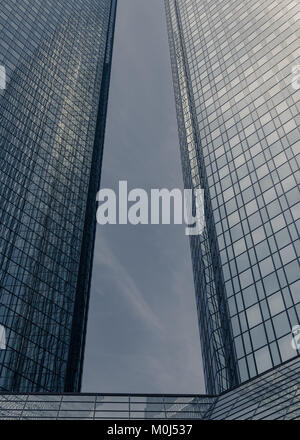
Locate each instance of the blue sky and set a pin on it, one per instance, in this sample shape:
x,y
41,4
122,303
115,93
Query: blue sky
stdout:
x,y
142,333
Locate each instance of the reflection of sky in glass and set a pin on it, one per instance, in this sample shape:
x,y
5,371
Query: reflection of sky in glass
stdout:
x,y
245,116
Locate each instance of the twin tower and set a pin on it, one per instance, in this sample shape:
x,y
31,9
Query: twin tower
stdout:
x,y
238,121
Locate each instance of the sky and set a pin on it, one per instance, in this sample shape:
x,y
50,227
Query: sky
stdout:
x,y
142,332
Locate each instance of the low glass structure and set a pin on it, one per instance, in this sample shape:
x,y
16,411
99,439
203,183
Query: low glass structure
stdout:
x,y
273,395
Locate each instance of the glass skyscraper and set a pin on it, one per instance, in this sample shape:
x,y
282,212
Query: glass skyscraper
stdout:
x,y
237,104
57,58
238,116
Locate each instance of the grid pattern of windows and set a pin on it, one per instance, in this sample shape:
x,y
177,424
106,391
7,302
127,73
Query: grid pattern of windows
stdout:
x,y
242,144
57,59
273,395
85,406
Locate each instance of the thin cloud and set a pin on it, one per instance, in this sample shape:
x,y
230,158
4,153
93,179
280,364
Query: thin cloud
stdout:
x,y
108,263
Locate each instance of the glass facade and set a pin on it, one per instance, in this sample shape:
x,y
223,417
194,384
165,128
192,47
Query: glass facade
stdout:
x,y
270,396
105,407
238,118
57,57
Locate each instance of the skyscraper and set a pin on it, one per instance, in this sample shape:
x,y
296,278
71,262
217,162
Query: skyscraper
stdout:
x,y
238,113
238,117
57,59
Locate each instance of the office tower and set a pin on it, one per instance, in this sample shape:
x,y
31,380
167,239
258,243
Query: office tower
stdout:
x,y
57,58
238,116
